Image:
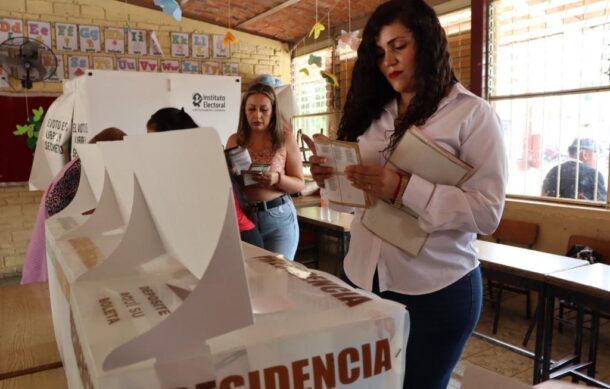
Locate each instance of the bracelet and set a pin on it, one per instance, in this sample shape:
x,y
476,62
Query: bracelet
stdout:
x,y
403,185
397,187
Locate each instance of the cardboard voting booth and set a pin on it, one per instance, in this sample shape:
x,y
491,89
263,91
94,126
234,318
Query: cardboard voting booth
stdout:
x,y
103,98
154,289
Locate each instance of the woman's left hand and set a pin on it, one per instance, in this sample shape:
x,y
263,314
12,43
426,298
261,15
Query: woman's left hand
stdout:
x,y
267,179
377,180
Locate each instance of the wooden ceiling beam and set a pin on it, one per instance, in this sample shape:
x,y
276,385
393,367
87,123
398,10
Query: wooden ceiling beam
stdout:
x,y
268,12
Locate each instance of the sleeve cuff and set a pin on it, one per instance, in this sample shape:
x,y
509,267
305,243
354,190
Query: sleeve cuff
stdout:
x,y
417,194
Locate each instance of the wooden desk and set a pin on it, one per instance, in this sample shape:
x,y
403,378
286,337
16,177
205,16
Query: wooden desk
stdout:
x,y
306,201
589,287
328,221
27,340
528,269
48,379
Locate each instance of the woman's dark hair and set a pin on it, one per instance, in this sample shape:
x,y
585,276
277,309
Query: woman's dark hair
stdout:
x,y
275,128
170,118
370,91
108,134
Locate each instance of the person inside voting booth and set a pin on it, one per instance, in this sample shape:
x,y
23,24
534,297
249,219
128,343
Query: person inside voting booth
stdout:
x,y
279,170
403,78
60,193
170,118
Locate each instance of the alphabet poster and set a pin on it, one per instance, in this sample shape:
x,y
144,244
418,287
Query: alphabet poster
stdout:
x,y
180,44
220,50
41,31
170,66
115,40
128,64
212,68
201,46
230,69
77,65
148,65
10,28
136,42
65,37
89,39
190,66
104,62
60,72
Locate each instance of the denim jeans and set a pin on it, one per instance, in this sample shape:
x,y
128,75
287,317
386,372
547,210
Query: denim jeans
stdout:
x,y
279,229
441,323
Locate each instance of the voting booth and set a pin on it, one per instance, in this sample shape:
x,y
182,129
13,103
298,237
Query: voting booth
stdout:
x,y
103,98
154,289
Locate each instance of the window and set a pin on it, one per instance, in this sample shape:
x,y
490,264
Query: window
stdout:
x,y
549,83
457,28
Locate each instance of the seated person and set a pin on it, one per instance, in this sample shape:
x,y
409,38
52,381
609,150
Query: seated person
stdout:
x,y
170,118
578,177
60,193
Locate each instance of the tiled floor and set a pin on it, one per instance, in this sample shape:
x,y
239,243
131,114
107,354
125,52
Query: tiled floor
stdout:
x,y
512,328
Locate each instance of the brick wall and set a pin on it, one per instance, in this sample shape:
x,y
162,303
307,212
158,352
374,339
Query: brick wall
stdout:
x,y
18,208
255,55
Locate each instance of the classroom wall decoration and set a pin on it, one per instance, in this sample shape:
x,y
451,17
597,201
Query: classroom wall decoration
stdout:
x,y
219,48
201,46
212,68
10,28
115,40
77,65
65,37
179,44
89,37
136,42
170,66
148,65
41,31
70,40
127,64
190,67
103,62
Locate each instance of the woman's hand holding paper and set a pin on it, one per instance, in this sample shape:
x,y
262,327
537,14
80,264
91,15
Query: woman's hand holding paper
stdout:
x,y
376,180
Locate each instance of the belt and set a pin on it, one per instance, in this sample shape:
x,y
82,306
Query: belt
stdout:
x,y
265,205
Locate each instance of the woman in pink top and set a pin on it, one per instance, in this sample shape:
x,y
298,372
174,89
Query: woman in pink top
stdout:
x,y
261,132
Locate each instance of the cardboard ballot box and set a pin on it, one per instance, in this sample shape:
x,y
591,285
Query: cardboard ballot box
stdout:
x,y
154,290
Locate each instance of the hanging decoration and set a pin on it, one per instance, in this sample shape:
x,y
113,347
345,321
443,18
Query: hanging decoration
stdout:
x,y
330,78
318,27
315,60
229,37
170,8
349,39
305,71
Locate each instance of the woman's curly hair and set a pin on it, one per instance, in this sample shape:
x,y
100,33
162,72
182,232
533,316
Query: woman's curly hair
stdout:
x,y
370,92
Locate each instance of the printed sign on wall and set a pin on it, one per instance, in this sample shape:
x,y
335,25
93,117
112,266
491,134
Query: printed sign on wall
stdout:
x,y
41,31
212,68
128,64
65,37
77,65
154,45
201,46
89,39
60,72
103,62
136,42
148,65
190,67
115,40
179,44
10,28
230,69
170,66
219,48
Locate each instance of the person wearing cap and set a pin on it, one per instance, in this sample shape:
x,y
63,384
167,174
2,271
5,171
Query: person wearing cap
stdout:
x,y
577,178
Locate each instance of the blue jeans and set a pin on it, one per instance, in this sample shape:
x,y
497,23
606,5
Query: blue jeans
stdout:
x,y
441,323
279,229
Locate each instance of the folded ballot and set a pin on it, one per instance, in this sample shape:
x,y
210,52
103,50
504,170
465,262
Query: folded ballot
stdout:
x,y
155,290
